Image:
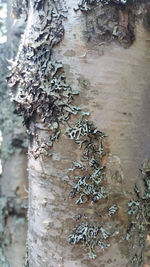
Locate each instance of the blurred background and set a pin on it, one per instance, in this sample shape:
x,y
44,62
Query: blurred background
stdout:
x,y
13,146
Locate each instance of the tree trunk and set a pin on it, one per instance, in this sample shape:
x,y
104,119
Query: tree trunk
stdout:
x,y
78,217
13,180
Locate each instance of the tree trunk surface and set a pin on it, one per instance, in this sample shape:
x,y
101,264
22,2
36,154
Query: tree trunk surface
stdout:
x,y
113,84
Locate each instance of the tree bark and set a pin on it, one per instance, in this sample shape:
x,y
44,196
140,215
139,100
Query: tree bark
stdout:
x,y
113,85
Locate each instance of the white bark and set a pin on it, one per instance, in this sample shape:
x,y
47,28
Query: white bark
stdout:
x,y
113,84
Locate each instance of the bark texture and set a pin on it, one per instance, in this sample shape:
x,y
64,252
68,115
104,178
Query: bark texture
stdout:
x,y
61,133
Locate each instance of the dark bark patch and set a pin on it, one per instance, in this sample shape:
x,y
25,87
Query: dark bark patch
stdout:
x,y
112,20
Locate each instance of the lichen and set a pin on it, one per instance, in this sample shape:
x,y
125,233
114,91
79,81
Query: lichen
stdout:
x,y
88,186
139,217
41,93
112,210
90,236
110,20
39,87
87,5
26,264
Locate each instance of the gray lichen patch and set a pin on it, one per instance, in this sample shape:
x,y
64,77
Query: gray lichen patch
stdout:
x,y
87,5
95,231
112,210
110,20
106,213
90,235
88,185
39,86
30,82
139,217
91,186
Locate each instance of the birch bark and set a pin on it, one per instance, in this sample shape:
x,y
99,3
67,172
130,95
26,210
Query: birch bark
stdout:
x,y
113,85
